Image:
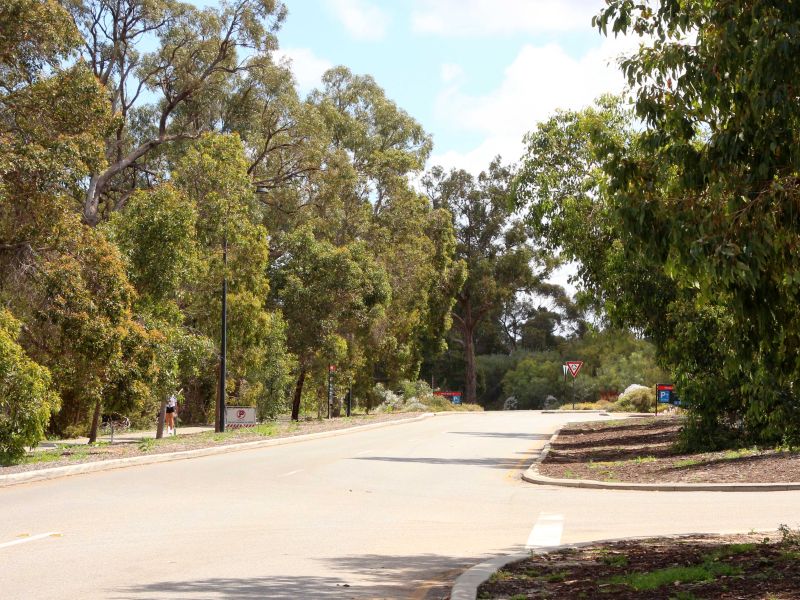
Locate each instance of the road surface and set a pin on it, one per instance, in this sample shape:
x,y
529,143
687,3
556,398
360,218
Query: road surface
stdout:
x,y
396,512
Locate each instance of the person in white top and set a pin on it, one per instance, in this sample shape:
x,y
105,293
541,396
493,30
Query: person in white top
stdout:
x,y
172,412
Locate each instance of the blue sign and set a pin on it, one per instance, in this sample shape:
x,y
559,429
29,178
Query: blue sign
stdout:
x,y
664,391
456,399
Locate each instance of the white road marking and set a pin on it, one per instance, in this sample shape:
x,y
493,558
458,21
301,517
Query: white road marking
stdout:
x,y
30,538
546,532
364,452
291,473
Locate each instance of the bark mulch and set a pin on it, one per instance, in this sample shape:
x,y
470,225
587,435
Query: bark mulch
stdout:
x,y
740,567
643,451
76,454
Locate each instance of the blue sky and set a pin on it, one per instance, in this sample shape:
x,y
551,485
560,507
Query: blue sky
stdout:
x,y
477,74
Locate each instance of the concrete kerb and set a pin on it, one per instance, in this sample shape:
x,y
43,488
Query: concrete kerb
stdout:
x,y
531,475
119,463
467,584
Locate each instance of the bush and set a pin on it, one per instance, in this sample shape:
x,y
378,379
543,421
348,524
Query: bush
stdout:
x,y
416,397
551,402
26,395
638,399
387,400
418,390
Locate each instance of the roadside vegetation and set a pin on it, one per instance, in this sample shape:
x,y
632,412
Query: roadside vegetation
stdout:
x,y
145,160
68,454
134,153
748,567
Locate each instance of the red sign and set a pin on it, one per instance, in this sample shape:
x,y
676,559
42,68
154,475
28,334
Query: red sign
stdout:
x,y
574,366
448,394
331,368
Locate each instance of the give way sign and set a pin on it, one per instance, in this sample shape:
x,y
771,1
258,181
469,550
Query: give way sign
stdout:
x,y
574,366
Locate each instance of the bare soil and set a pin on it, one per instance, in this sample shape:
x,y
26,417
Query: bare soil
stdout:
x,y
76,454
643,451
745,567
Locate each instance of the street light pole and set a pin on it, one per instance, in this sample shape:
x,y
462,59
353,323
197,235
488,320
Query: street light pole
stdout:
x,y
224,337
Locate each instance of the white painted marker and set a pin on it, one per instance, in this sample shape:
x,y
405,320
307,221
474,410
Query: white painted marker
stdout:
x,y
30,538
291,473
546,532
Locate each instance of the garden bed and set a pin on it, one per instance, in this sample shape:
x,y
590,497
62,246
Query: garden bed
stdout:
x,y
721,567
644,451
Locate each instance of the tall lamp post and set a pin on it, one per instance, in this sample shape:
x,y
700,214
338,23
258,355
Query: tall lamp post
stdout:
x,y
224,336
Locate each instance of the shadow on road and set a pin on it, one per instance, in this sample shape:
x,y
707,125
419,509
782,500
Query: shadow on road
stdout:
x,y
493,434
505,462
424,576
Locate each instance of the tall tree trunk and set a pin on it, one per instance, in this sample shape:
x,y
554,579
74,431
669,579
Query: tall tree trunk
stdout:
x,y
91,202
95,421
298,395
470,375
467,322
162,415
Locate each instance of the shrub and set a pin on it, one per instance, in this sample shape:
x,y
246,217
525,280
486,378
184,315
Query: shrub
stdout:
x,y
638,399
388,401
418,390
551,402
26,395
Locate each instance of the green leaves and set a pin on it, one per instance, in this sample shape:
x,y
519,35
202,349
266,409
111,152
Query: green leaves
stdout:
x,y
27,397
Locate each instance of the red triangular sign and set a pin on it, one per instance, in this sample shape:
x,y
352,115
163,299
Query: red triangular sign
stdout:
x,y
574,366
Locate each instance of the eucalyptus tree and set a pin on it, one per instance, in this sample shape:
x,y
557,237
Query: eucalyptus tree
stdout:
x,y
64,283
717,96
329,294
385,143
492,242
167,94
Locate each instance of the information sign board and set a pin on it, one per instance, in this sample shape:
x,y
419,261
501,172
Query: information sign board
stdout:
x,y
240,415
664,393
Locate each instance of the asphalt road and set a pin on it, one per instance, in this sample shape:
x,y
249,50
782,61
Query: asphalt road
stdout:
x,y
396,512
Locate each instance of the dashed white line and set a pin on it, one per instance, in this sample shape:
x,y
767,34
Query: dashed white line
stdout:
x,y
30,538
546,532
291,473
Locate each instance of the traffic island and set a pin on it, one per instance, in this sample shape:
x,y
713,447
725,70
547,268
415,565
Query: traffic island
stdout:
x,y
742,567
643,454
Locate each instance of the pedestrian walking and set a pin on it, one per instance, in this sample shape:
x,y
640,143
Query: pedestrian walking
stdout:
x,y
172,412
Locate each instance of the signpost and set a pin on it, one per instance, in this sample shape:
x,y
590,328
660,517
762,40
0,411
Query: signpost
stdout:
x,y
572,367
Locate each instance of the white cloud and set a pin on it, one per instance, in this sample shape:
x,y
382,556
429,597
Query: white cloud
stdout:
x,y
451,72
362,19
540,80
307,67
498,17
